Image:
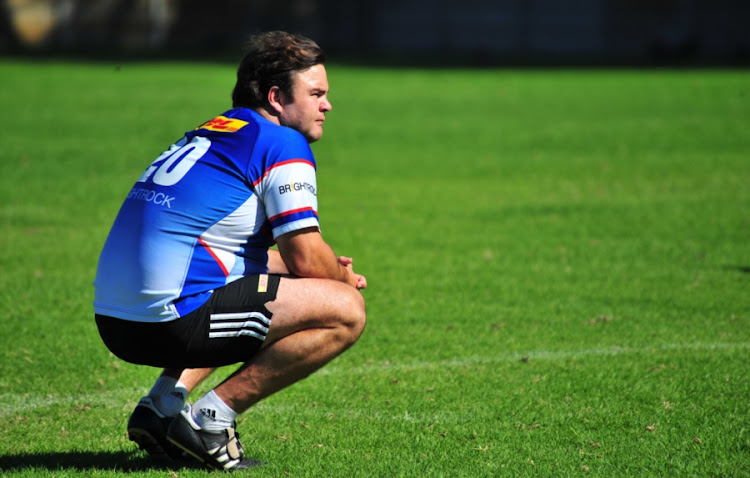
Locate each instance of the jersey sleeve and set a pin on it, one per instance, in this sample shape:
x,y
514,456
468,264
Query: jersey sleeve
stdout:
x,y
288,189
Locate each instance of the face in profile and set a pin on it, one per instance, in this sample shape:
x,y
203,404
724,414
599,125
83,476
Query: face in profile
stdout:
x,y
306,110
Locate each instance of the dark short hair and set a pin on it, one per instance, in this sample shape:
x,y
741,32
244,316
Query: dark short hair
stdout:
x,y
271,59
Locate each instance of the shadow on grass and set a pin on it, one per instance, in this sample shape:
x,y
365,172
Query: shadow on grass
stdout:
x,y
121,461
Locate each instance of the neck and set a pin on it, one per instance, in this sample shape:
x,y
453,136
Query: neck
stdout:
x,y
273,118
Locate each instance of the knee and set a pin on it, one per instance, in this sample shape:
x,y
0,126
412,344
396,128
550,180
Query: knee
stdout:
x,y
354,316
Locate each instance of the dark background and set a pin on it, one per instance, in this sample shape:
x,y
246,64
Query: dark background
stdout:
x,y
472,32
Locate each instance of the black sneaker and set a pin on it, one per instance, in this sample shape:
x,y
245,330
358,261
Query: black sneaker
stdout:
x,y
148,428
221,450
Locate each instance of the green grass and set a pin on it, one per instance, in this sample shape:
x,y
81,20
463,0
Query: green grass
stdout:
x,y
559,270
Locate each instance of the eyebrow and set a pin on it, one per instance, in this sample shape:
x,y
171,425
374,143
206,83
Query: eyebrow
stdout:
x,y
317,92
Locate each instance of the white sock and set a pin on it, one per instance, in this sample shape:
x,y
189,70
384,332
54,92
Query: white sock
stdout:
x,y
168,395
212,414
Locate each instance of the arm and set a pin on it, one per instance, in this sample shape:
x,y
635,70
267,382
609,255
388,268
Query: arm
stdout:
x,y
276,263
306,254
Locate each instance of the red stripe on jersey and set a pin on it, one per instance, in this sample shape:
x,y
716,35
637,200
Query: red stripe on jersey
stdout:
x,y
284,163
216,258
293,211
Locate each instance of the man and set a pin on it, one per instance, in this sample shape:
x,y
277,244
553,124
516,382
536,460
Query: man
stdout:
x,y
186,280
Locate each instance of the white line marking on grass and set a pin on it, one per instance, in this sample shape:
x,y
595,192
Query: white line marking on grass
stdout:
x,y
363,414
14,403
124,398
534,355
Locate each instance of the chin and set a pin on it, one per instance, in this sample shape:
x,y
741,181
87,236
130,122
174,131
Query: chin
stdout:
x,y
314,136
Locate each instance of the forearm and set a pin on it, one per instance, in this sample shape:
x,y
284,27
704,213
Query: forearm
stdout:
x,y
276,264
320,263
306,254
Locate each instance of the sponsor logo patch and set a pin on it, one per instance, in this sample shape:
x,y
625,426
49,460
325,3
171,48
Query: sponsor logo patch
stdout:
x,y
263,283
147,195
222,123
297,186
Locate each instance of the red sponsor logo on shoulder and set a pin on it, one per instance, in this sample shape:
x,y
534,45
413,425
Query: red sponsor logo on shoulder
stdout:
x,y
222,123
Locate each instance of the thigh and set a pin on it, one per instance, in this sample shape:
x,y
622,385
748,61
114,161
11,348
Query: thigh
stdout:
x,y
303,304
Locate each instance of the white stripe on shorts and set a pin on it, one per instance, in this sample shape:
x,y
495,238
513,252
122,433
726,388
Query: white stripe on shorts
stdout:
x,y
237,324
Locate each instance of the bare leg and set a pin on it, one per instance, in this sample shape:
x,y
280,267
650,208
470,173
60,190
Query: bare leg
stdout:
x,y
314,321
190,377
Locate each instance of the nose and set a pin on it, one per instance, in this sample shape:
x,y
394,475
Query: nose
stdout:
x,y
326,105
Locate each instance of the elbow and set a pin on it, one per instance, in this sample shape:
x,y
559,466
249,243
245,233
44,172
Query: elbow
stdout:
x,y
301,267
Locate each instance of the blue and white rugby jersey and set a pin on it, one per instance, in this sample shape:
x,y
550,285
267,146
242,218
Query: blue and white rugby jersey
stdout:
x,y
204,214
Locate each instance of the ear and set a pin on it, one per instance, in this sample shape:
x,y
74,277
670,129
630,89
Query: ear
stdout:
x,y
275,99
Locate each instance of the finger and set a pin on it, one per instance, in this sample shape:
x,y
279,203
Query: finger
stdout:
x,y
361,282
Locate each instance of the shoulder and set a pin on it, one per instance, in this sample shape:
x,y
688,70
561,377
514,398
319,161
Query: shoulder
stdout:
x,y
283,136
239,117
284,142
245,129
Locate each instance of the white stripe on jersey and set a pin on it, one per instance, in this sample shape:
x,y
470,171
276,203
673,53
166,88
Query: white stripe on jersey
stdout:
x,y
225,238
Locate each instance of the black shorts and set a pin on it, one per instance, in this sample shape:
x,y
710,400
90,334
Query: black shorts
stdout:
x,y
229,328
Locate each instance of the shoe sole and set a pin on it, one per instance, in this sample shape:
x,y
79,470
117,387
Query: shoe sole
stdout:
x,y
182,436
147,442
189,442
211,463
208,462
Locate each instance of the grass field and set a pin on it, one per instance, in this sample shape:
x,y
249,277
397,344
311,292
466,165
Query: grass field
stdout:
x,y
558,266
